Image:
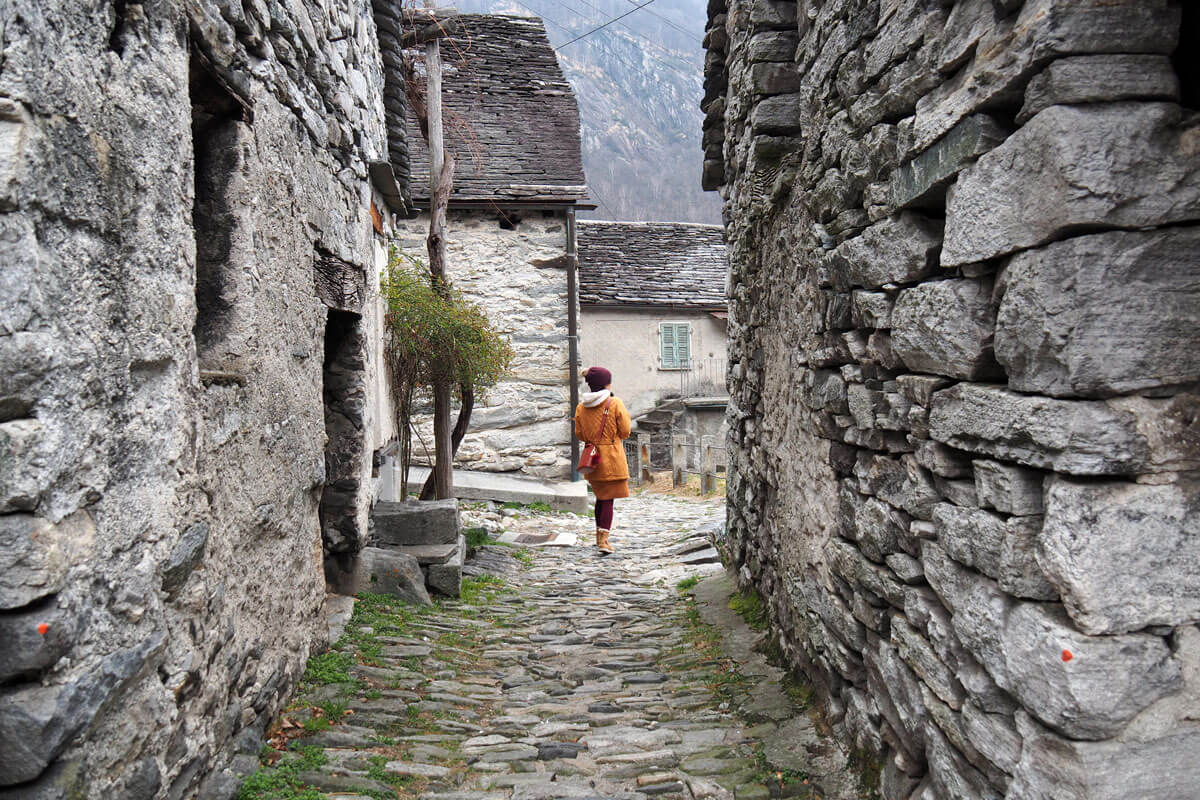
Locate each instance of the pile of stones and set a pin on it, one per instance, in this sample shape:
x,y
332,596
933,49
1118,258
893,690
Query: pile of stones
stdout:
x,y
415,548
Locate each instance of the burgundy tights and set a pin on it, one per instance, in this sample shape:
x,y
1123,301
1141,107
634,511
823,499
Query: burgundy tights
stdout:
x,y
604,514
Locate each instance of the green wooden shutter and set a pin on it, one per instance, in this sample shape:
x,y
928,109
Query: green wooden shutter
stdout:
x,y
675,345
666,339
683,345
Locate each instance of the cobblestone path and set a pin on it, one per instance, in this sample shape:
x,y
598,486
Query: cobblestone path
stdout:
x,y
578,676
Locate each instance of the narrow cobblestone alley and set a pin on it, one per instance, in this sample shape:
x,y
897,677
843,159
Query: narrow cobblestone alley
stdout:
x,y
571,675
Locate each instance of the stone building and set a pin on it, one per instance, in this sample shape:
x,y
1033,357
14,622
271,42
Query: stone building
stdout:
x,y
964,351
513,129
652,305
194,200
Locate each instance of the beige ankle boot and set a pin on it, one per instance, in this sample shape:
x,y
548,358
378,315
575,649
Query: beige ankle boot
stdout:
x,y
602,541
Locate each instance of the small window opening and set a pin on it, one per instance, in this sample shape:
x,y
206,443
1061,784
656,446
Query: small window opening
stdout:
x,y
508,221
1187,56
215,155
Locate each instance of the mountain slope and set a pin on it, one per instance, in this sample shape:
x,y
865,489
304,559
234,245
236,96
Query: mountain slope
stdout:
x,y
638,83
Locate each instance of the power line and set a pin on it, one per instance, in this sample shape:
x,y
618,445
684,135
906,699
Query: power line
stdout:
x,y
605,50
679,28
605,25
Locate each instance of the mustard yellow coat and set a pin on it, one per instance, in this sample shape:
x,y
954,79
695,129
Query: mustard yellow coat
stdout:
x,y
611,479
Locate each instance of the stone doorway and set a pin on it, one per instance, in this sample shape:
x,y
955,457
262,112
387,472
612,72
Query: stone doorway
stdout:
x,y
344,397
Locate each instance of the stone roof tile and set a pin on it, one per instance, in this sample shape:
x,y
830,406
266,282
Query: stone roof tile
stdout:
x,y
676,264
511,120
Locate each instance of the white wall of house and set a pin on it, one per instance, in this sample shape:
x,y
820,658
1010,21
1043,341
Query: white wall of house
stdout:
x,y
627,341
519,277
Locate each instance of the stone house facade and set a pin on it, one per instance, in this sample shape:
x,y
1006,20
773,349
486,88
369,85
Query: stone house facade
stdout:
x,y
194,205
514,133
652,306
964,350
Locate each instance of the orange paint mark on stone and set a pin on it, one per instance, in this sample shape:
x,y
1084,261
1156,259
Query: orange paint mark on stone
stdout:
x,y
43,628
1067,655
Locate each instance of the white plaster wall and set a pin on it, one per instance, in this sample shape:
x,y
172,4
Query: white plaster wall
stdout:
x,y
626,341
381,407
519,277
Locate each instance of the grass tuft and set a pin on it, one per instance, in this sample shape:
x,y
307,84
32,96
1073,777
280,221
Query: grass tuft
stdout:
x,y
687,584
749,606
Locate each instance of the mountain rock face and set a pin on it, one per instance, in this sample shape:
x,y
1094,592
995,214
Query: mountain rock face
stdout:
x,y
638,85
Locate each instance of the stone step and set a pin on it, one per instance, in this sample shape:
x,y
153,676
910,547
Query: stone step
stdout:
x,y
504,488
427,554
415,522
708,556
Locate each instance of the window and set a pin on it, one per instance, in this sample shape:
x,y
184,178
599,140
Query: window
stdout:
x,y
675,345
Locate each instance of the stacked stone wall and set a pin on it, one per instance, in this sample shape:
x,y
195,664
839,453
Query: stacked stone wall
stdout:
x,y
965,428
513,265
162,432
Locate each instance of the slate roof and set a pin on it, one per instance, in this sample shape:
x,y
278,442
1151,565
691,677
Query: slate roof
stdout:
x,y
511,120
675,264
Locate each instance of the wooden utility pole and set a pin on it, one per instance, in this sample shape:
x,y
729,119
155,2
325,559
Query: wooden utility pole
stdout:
x,y
441,179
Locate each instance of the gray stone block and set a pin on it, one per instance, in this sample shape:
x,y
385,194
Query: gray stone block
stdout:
x,y
1100,79
446,578
922,181
960,492
27,651
847,562
1004,50
379,571
943,461
919,389
871,309
1078,437
778,114
994,736
925,611
946,328
1124,556
416,522
1007,488
773,14
1059,331
952,775
19,443
900,249
1123,165
924,661
185,556
774,78
897,693
35,554
1085,687
38,722
902,482
1003,549
769,150
1163,767
772,46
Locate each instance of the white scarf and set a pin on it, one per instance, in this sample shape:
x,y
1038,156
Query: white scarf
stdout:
x,y
593,399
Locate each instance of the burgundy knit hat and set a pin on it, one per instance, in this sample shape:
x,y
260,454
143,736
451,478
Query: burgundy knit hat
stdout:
x,y
597,378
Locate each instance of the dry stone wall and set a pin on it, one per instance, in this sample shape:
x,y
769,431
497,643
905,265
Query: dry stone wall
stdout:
x,y
184,203
965,428
513,264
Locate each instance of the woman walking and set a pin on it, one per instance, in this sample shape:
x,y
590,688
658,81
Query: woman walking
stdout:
x,y
601,419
